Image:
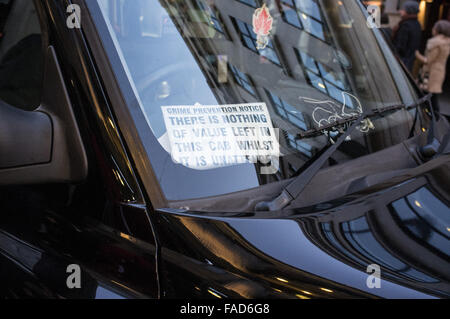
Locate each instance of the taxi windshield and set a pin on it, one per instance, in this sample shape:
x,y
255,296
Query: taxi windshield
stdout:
x,y
227,86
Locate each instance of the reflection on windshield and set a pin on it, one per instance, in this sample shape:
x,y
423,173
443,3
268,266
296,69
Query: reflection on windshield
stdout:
x,y
317,66
249,40
304,15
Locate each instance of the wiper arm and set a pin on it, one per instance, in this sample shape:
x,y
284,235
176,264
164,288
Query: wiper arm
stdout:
x,y
296,187
293,190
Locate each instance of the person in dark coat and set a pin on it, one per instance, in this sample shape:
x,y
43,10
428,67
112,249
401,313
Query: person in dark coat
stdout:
x,y
385,29
407,35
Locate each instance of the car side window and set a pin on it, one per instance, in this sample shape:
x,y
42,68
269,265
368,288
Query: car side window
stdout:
x,y
21,54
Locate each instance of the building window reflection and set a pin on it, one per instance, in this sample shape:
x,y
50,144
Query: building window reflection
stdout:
x,y
426,218
213,20
357,232
328,232
242,79
249,39
327,80
294,117
304,14
299,146
288,112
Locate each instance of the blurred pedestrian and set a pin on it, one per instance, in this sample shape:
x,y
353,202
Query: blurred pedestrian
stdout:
x,y
432,74
407,35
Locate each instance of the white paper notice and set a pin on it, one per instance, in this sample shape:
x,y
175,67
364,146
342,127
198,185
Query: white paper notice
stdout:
x,y
211,136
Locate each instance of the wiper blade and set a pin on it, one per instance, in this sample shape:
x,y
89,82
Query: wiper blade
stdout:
x,y
375,112
296,187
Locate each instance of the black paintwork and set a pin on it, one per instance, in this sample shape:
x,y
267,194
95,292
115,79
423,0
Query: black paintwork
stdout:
x,y
128,250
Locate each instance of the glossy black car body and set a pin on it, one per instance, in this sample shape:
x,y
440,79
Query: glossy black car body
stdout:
x,y
127,249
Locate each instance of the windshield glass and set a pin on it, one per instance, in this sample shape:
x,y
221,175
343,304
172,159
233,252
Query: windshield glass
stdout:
x,y
227,86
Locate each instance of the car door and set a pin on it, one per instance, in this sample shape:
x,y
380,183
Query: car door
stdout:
x,y
73,221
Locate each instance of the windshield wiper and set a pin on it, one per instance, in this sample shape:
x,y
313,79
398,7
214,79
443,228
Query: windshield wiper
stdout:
x,y
375,112
296,187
